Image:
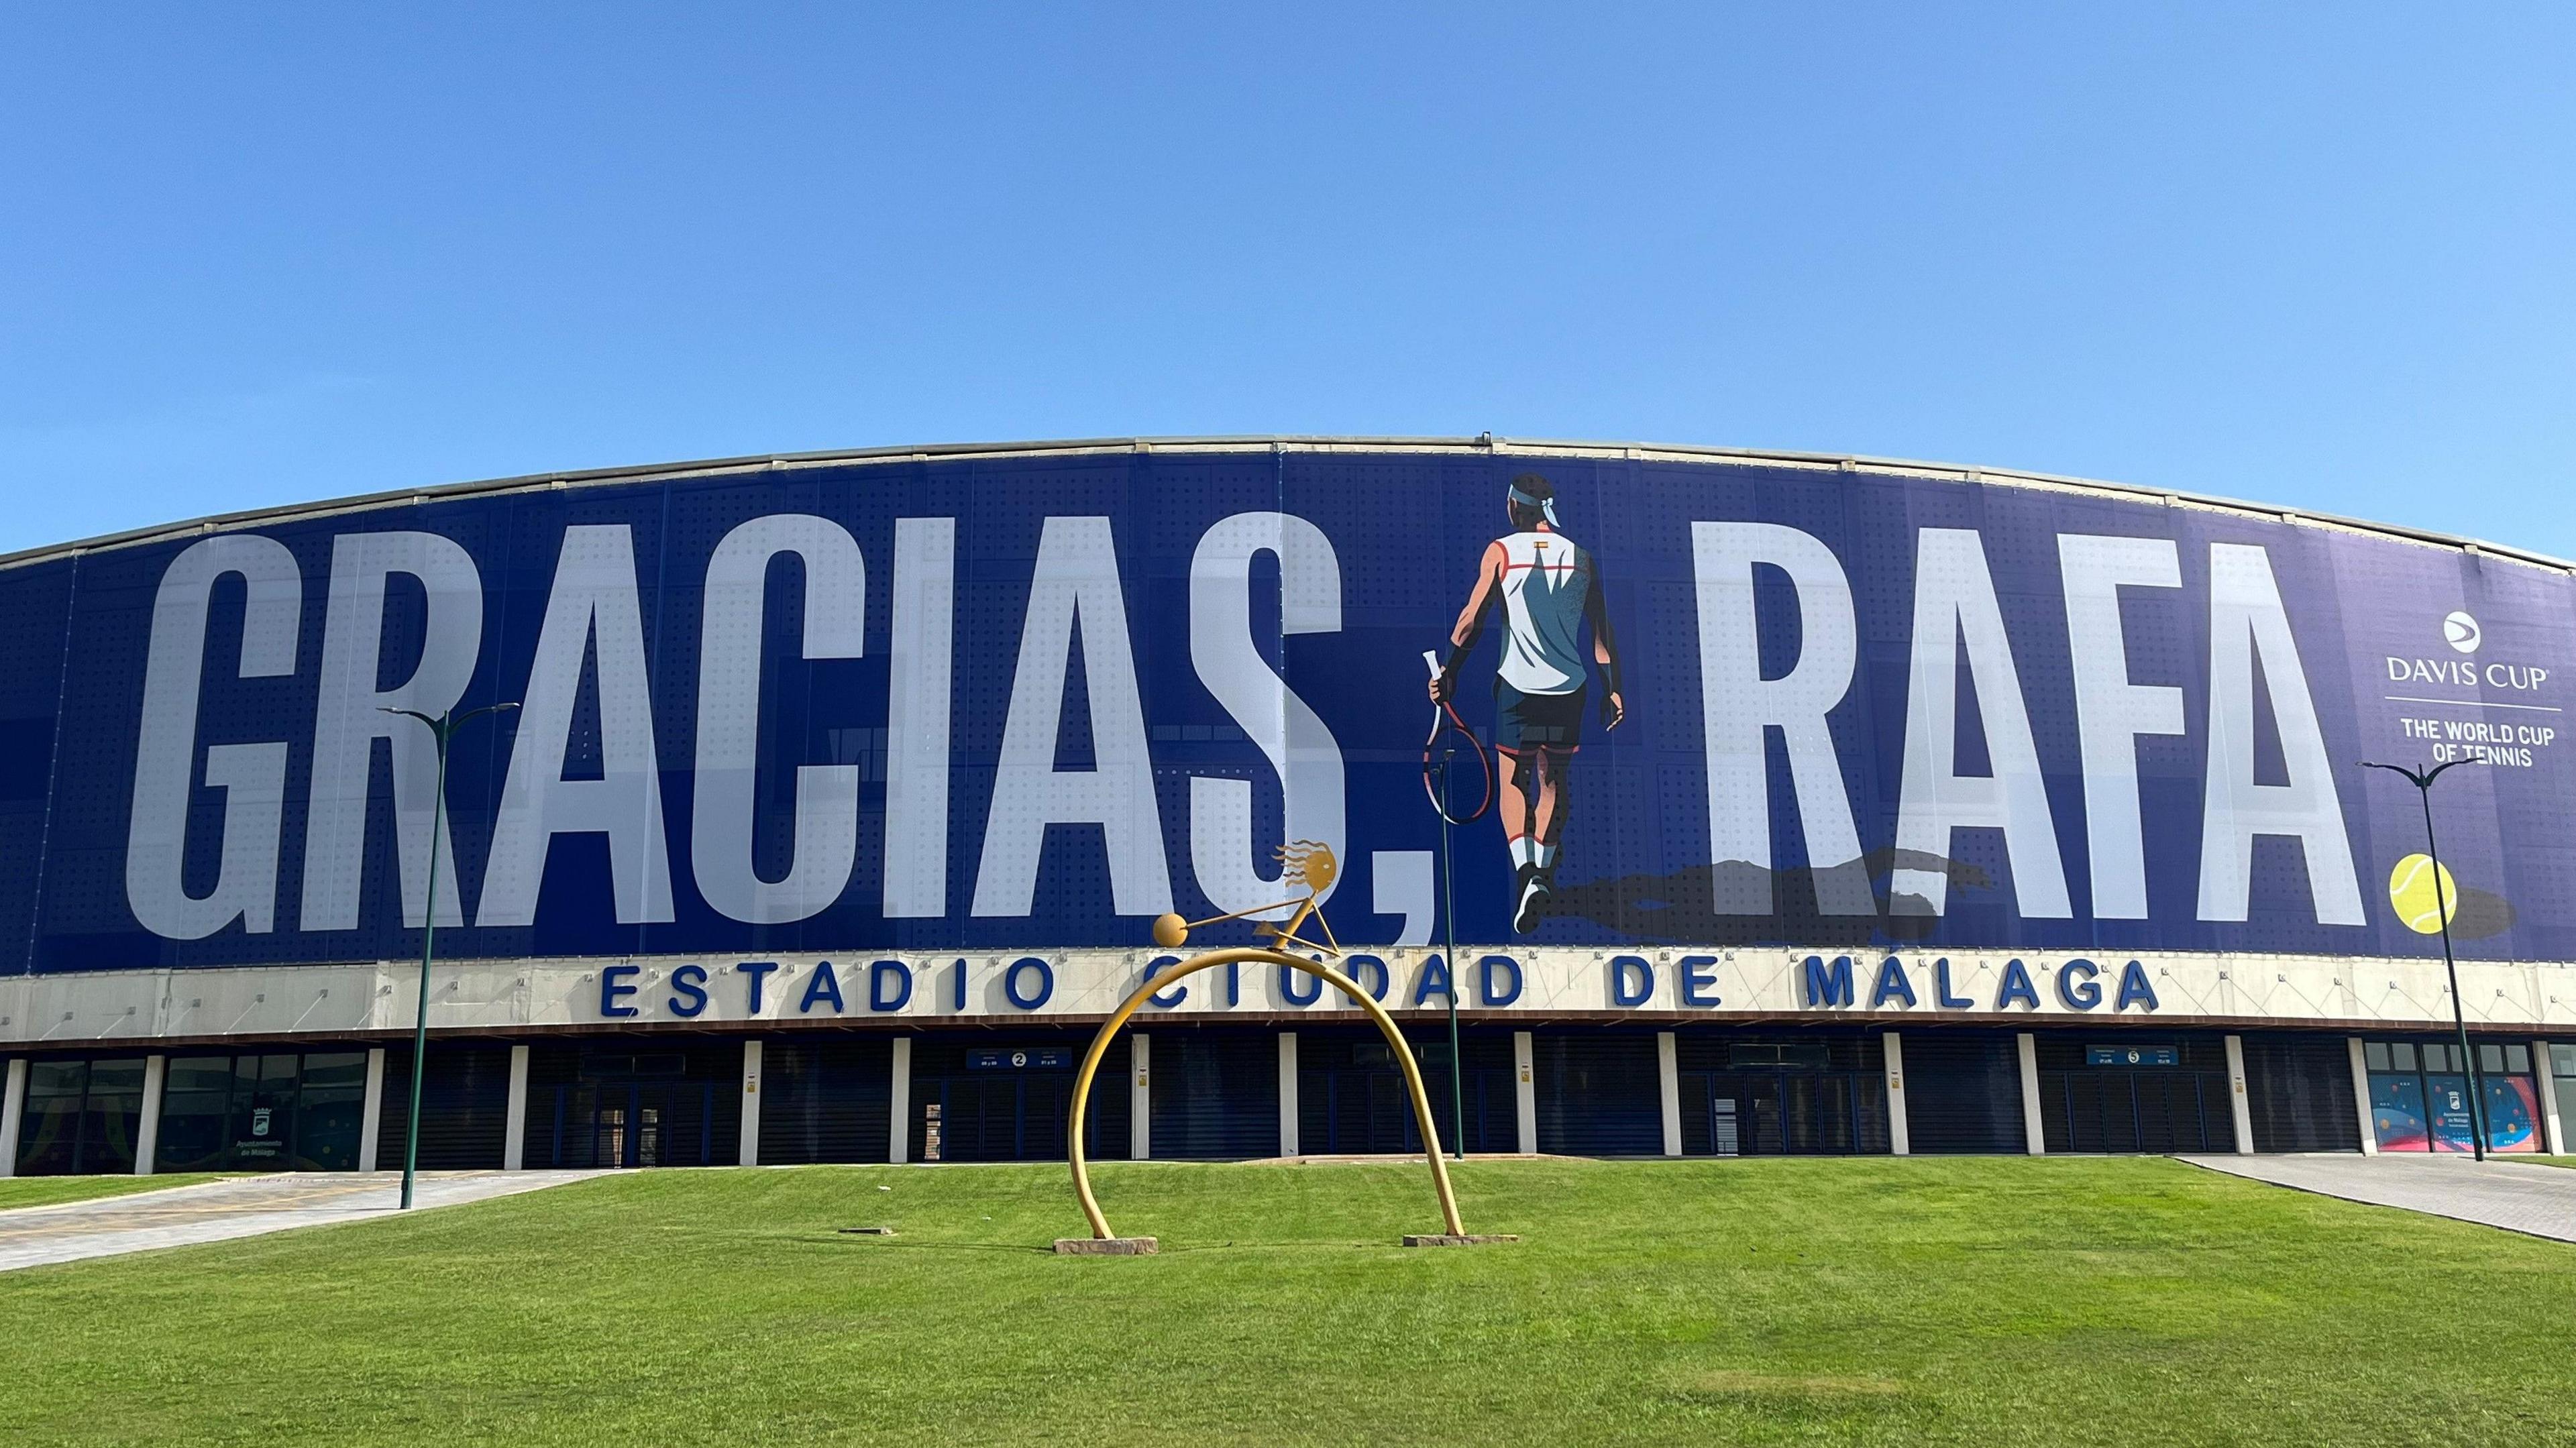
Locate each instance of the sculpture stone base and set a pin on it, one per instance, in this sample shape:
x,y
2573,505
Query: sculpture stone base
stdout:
x,y
1106,1246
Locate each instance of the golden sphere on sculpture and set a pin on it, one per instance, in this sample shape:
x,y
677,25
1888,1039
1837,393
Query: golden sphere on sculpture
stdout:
x,y
1170,931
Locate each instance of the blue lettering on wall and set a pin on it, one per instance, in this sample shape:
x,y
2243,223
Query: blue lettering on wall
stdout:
x,y
689,991
1369,972
1829,987
2134,987
960,987
758,972
1234,982
2016,986
823,985
889,985
1485,979
1892,984
1434,981
1941,995
1019,971
1298,988
613,989
2079,993
1699,980
1164,1000
1632,980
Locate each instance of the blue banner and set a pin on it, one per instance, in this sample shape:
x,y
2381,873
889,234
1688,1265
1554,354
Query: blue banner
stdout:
x,y
1027,701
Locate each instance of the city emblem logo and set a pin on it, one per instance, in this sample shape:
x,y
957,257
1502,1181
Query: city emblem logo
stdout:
x,y
2461,631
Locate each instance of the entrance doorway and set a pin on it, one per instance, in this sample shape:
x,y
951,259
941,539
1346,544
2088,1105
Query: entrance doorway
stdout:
x,y
612,1107
1010,1100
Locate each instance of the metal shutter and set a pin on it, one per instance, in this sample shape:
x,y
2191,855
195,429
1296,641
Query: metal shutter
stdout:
x,y
1962,1092
1351,1099
2086,1108
1599,1094
2298,1089
464,1106
825,1099
1216,1094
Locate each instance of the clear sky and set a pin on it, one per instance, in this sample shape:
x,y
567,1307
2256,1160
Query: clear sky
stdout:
x,y
2323,256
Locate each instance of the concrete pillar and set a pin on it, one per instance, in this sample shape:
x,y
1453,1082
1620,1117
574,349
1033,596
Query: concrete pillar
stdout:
x,y
147,1136
371,1114
2034,1136
1668,1068
2556,1140
13,1113
2237,1102
749,1155
1898,1142
1140,1097
899,1104
514,1128
1525,1088
1287,1093
2361,1098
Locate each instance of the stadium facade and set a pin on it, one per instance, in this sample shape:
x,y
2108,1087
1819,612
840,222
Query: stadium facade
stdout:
x,y
1946,810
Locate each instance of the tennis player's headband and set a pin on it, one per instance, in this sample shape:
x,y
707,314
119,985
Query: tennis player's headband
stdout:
x,y
1545,506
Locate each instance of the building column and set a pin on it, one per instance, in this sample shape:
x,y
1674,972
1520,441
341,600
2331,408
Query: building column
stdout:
x,y
2546,1078
147,1136
514,1129
749,1155
371,1114
2361,1100
1668,1069
13,1113
1288,1093
1140,1097
1525,1088
899,1104
2034,1136
2237,1101
1899,1143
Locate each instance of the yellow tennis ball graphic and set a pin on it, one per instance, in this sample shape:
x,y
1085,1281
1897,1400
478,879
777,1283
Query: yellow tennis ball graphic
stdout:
x,y
2410,889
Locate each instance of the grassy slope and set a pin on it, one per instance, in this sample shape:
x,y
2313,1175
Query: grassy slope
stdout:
x,y
45,1191
1992,1301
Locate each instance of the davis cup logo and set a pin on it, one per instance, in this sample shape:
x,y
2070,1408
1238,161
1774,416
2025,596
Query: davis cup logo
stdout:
x,y
2461,631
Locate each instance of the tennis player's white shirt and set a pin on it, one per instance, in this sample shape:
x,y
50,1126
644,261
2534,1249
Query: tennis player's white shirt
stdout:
x,y
1545,582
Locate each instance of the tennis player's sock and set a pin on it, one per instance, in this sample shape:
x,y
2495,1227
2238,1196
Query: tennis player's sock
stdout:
x,y
1545,856
1524,851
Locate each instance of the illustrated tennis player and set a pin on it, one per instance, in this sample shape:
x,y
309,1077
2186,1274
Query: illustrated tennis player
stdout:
x,y
1548,589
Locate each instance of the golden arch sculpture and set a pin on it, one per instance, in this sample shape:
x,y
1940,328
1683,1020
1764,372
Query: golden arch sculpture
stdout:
x,y
1312,865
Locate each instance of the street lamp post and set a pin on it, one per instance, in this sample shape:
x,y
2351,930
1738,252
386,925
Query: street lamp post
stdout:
x,y
441,729
1449,932
2442,904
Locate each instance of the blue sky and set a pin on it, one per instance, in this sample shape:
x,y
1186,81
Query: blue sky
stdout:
x,y
2324,257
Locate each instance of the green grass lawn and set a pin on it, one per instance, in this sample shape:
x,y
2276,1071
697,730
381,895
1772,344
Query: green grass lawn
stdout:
x,y
1962,1301
45,1191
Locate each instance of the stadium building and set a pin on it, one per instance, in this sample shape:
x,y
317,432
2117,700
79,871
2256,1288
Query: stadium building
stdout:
x,y
1798,804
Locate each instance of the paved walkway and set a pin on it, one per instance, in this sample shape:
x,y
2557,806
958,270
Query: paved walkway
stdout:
x,y
2517,1196
240,1207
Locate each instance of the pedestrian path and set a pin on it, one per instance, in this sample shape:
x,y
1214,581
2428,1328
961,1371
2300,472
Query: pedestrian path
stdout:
x,y
239,1207
2518,1196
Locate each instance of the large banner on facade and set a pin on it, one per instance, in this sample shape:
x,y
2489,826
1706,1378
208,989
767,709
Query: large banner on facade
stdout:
x,y
1032,700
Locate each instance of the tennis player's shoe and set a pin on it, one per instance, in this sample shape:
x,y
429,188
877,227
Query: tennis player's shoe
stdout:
x,y
1534,899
